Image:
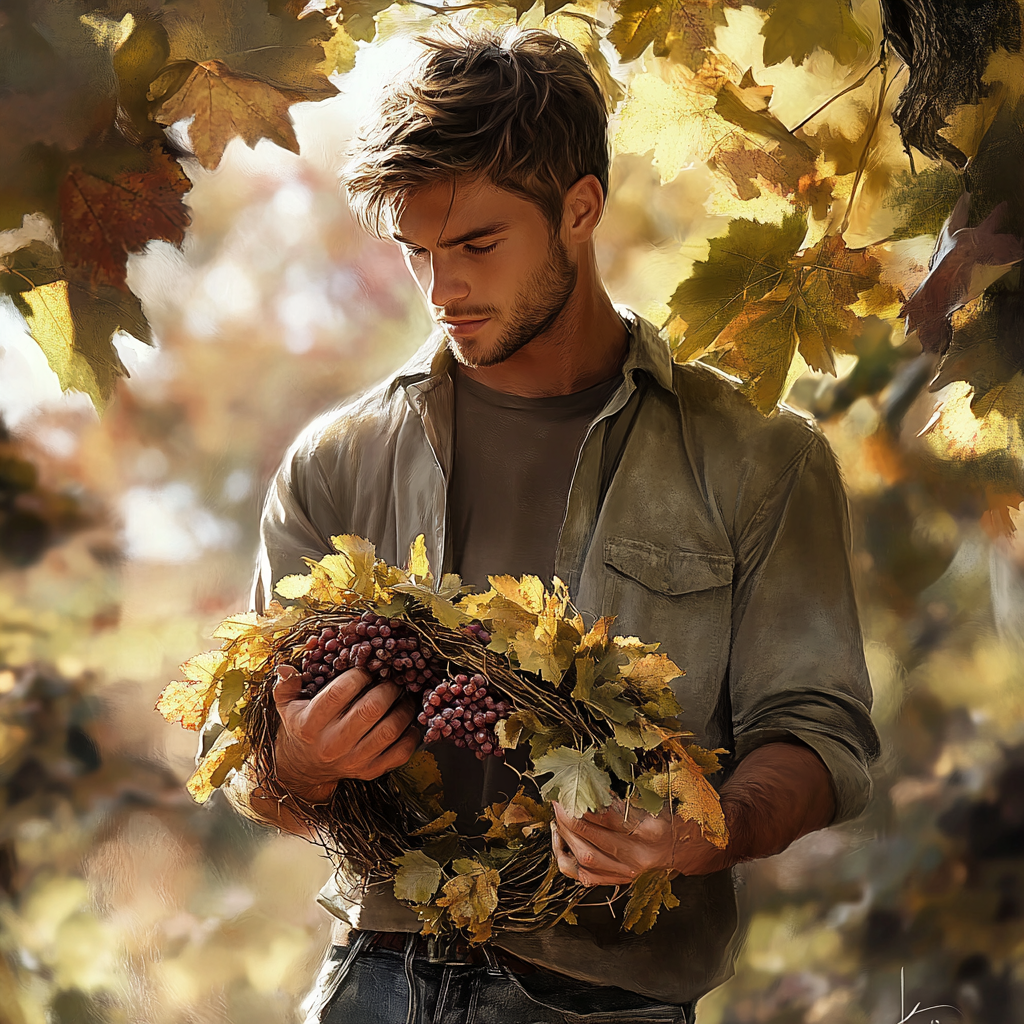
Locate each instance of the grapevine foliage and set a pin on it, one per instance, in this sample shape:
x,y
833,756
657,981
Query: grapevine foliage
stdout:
x,y
893,116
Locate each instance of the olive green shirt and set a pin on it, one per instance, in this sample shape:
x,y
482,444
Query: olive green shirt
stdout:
x,y
696,521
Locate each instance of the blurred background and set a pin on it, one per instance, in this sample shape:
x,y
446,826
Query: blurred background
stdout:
x,y
125,539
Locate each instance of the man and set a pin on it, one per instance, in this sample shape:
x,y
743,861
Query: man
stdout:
x,y
542,430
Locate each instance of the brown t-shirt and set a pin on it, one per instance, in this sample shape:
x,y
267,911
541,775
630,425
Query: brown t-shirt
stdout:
x,y
513,464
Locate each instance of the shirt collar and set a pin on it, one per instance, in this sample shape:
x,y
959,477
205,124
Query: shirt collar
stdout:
x,y
647,351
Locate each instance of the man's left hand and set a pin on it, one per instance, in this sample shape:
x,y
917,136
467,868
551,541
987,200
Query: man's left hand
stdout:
x,y
616,846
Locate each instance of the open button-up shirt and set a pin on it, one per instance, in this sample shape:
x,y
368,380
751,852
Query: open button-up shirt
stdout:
x,y
693,519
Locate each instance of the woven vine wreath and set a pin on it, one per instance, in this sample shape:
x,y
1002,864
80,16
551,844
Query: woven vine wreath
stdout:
x,y
513,666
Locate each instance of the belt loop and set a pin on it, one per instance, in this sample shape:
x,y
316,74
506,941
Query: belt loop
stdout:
x,y
493,967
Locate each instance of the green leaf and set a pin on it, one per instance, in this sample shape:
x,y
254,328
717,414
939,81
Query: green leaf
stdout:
x,y
742,267
646,797
417,878
686,28
796,28
638,734
604,698
576,782
761,343
648,894
618,759
921,202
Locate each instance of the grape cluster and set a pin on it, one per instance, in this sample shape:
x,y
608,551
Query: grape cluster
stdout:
x,y
461,710
477,632
386,648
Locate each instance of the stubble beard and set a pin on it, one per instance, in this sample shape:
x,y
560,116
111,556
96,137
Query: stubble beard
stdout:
x,y
539,303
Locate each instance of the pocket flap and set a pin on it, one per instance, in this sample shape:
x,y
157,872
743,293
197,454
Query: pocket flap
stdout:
x,y
668,571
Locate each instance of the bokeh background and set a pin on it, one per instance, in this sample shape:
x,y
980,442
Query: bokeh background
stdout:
x,y
126,538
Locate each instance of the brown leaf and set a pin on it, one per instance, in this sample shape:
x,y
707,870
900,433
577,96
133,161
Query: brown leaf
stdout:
x,y
648,894
225,104
103,219
696,798
686,28
471,897
966,261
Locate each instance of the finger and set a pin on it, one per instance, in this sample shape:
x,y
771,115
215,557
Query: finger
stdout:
x,y
288,686
387,731
563,856
596,866
397,754
338,696
586,827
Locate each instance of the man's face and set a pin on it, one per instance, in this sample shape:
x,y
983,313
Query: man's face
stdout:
x,y
485,260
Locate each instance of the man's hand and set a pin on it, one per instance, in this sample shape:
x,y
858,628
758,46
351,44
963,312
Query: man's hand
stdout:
x,y
619,844
778,793
345,732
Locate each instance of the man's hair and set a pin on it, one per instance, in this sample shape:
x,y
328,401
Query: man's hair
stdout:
x,y
520,108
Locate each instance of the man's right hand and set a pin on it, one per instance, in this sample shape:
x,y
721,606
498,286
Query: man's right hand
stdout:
x,y
345,732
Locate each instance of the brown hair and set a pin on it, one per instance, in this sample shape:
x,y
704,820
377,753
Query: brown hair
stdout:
x,y
521,108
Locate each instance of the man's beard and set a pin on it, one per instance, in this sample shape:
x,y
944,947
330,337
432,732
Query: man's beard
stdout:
x,y
537,306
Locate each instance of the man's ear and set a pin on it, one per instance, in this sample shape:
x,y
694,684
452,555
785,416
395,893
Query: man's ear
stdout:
x,y
584,204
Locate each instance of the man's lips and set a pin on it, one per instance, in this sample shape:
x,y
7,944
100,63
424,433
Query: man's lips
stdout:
x,y
464,328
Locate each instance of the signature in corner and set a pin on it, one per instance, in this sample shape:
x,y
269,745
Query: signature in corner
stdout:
x,y
918,1009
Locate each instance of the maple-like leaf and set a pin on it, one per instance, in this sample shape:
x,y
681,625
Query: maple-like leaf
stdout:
x,y
576,781
966,261
471,898
647,895
796,28
420,778
696,798
618,759
515,819
649,678
418,563
417,878
706,760
742,267
188,701
227,754
686,28
639,734
920,203
439,824
225,104
604,698
103,218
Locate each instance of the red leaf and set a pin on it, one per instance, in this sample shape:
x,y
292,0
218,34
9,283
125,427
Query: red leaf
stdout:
x,y
104,219
966,261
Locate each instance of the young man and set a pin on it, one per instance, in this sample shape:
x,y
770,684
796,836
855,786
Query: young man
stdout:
x,y
542,430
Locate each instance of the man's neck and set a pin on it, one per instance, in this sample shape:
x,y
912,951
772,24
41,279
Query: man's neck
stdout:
x,y
585,345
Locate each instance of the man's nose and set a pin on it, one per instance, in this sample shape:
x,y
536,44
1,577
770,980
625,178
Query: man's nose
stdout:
x,y
447,286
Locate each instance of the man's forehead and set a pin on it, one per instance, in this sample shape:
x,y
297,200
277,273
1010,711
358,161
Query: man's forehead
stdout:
x,y
452,209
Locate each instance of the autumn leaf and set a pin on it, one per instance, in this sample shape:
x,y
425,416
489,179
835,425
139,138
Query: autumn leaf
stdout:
x,y
418,564
417,878
232,689
920,203
512,820
439,824
188,701
228,753
224,104
706,760
360,555
638,734
649,677
796,28
742,267
471,898
576,782
420,778
604,698
686,28
103,218
647,895
618,759
966,261
696,798
358,17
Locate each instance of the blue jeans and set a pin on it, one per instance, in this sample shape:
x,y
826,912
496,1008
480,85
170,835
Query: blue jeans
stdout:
x,y
363,984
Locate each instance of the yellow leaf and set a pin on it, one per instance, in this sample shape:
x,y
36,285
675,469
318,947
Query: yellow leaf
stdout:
x,y
528,592
648,894
696,798
227,753
471,899
432,828
53,329
294,587
417,878
418,564
236,626
188,701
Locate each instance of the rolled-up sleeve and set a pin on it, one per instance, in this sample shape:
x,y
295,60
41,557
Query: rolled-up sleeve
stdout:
x,y
797,668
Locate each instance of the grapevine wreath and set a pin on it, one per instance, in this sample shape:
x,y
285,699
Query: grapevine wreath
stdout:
x,y
515,665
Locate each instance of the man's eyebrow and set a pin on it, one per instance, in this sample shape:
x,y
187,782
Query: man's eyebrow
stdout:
x,y
469,236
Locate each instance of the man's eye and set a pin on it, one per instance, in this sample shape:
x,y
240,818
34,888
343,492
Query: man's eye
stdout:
x,y
415,254
477,250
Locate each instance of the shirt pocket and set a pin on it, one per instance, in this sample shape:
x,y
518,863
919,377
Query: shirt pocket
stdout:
x,y
680,598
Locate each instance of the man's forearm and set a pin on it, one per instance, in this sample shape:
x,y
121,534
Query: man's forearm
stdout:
x,y
778,793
